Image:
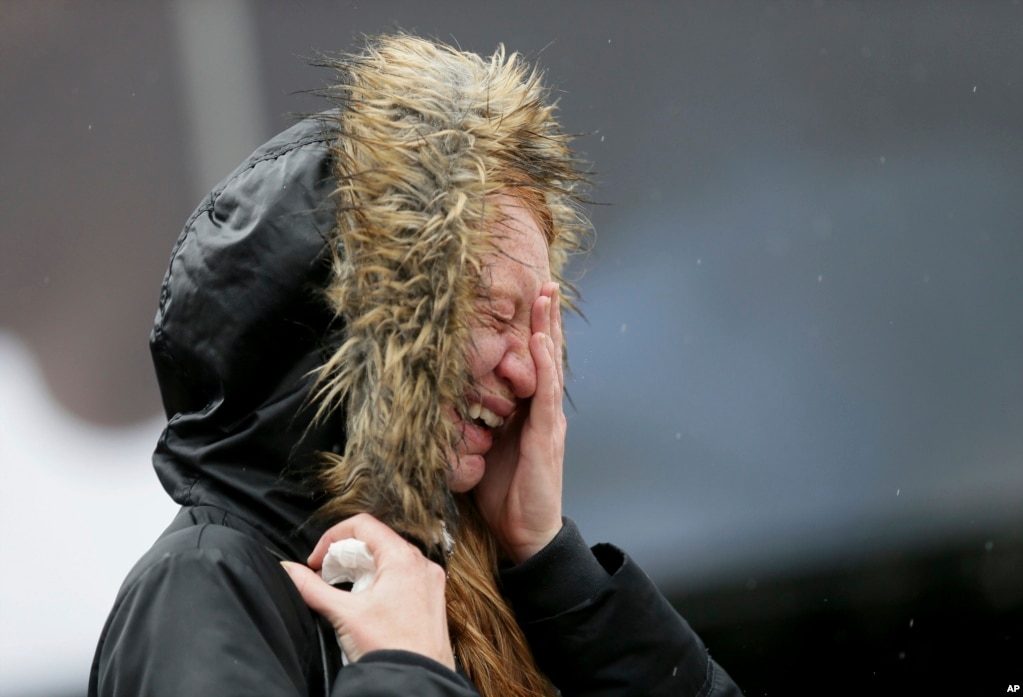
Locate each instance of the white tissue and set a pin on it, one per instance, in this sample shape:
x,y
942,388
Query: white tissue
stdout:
x,y
349,561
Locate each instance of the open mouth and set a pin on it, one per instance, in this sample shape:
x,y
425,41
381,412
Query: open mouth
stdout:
x,y
482,417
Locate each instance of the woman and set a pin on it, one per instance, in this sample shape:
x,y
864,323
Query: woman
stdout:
x,y
415,405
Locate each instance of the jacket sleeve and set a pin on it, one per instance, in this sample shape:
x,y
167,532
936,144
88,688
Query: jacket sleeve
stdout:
x,y
210,612
394,673
599,627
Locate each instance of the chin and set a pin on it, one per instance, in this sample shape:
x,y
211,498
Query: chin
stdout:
x,y
466,473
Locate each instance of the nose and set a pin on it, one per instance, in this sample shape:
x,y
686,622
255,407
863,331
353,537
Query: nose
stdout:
x,y
516,368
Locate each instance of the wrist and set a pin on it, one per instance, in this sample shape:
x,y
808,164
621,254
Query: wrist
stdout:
x,y
520,552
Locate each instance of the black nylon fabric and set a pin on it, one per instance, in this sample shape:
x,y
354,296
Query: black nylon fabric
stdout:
x,y
240,324
598,626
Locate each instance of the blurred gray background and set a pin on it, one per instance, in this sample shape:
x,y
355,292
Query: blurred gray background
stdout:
x,y
800,378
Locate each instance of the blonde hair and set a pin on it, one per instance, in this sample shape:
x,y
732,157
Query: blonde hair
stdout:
x,y
425,134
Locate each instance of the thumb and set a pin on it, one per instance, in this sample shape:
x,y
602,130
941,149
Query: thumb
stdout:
x,y
317,593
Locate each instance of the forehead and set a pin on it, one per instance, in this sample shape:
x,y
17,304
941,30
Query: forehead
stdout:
x,y
522,255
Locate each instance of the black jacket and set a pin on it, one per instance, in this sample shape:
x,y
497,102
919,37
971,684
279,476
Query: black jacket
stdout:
x,y
208,610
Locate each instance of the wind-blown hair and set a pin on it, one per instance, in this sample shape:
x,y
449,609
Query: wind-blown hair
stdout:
x,y
426,135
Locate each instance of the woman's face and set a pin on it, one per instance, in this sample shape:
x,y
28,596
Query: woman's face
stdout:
x,y
502,367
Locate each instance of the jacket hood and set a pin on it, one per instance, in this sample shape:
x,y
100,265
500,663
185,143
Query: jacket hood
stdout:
x,y
315,316
241,324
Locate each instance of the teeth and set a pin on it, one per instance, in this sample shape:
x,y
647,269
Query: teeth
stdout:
x,y
490,418
478,411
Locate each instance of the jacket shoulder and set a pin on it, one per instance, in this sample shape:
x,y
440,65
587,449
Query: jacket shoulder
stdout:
x,y
207,610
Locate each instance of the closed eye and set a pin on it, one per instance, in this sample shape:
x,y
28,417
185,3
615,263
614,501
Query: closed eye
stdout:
x,y
502,312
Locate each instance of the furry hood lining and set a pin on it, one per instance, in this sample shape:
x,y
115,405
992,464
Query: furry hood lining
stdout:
x,y
425,134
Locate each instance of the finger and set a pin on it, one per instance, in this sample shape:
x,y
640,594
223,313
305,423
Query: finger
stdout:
x,y
557,335
551,342
540,319
552,290
339,531
317,593
379,538
548,388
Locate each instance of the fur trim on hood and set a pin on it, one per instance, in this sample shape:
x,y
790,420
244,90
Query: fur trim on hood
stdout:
x,y
426,134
